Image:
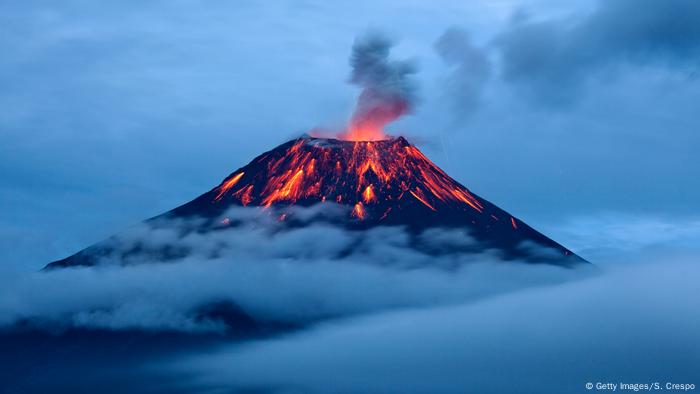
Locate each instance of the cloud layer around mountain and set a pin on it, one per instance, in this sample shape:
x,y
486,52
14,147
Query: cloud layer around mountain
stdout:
x,y
296,276
636,324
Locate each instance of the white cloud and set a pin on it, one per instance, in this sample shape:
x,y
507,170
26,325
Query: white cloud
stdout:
x,y
635,325
296,276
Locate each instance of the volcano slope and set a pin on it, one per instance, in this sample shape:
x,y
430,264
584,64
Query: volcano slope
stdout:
x,y
386,183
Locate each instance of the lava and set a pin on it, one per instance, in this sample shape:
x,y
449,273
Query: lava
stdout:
x,y
245,195
359,174
373,183
284,188
367,124
358,211
229,184
368,195
420,197
364,134
387,88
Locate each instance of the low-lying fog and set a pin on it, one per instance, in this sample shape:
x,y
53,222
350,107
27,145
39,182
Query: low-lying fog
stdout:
x,y
385,318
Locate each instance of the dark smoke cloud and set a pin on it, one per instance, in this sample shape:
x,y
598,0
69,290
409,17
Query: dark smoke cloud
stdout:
x,y
387,89
471,69
553,59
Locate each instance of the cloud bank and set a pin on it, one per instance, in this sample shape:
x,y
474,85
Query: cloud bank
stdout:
x,y
384,321
553,59
270,275
633,325
470,69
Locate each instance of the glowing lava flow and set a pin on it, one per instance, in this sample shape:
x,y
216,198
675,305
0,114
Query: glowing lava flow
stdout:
x,y
364,133
229,184
358,211
374,111
368,195
289,190
367,176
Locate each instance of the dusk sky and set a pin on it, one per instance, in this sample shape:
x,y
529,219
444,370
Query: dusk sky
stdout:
x,y
580,118
114,113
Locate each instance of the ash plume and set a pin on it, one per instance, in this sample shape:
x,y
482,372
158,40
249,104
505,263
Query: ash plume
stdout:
x,y
387,89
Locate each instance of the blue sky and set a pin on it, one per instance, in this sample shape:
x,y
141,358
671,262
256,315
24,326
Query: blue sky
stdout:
x,y
114,112
579,117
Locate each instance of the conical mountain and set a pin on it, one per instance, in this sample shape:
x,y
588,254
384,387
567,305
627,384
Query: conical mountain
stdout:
x,y
379,183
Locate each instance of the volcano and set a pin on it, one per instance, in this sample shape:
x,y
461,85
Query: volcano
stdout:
x,y
378,183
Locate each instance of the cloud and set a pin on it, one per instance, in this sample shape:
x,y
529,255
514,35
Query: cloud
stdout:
x,y
271,274
471,70
166,297
267,274
637,324
554,58
77,80
386,318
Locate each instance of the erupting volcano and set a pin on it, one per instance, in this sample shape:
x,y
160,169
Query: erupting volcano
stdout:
x,y
373,177
379,183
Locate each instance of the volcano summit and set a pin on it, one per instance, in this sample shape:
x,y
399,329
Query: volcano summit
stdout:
x,y
373,183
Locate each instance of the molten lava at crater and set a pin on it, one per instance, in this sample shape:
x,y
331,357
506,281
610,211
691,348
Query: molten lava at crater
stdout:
x,y
368,176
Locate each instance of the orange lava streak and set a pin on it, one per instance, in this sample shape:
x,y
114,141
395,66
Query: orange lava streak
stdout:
x,y
421,199
437,182
467,198
245,194
368,195
364,134
228,185
358,211
512,221
370,174
289,191
366,158
385,214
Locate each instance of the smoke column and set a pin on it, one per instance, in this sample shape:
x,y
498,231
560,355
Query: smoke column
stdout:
x,y
387,91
